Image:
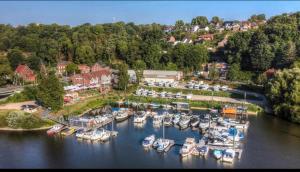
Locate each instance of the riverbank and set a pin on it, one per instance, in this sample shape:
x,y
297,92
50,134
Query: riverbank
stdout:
x,y
204,108
199,104
23,130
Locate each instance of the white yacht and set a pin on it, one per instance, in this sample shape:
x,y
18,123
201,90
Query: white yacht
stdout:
x,y
140,117
105,136
122,115
148,141
187,147
157,119
163,145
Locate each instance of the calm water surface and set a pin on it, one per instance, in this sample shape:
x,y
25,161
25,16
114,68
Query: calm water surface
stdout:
x,y
270,143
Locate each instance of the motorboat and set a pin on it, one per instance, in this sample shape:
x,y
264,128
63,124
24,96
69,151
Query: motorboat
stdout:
x,y
228,155
68,131
187,147
218,154
106,135
97,134
156,143
55,129
176,119
148,141
184,122
157,119
140,117
80,133
195,121
122,115
163,145
203,150
167,120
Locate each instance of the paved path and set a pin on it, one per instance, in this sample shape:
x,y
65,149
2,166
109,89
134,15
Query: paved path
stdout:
x,y
17,106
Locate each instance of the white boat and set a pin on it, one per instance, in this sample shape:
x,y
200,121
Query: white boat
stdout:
x,y
80,133
203,150
105,136
176,119
184,122
157,119
97,134
195,121
167,120
163,145
187,147
148,141
55,129
156,143
217,153
228,155
122,115
140,117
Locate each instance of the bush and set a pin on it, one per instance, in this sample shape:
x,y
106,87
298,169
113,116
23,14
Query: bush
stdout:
x,y
19,119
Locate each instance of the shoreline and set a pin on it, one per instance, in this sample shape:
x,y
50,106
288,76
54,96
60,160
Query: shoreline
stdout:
x,y
204,108
22,130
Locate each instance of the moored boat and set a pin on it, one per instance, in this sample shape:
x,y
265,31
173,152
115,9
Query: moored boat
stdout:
x,y
195,121
228,155
148,141
122,115
140,117
187,147
163,145
217,154
55,129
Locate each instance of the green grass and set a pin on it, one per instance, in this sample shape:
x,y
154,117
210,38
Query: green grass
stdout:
x,y
203,92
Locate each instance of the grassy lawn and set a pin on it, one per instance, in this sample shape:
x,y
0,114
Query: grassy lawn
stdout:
x,y
203,92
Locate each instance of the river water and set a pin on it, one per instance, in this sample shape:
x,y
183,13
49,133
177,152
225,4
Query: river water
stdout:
x,y
270,143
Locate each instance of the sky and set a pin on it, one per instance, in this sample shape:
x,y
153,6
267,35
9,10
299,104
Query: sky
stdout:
x,y
140,12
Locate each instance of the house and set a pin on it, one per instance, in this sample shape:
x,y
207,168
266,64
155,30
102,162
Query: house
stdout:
x,y
195,28
172,40
245,25
231,25
97,67
206,37
168,29
84,68
162,75
61,67
102,77
25,73
132,76
206,28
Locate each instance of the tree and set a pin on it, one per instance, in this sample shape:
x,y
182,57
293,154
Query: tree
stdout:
x,y
216,20
84,54
139,66
152,56
213,73
15,58
72,68
284,93
200,20
171,66
123,78
33,62
5,70
259,17
261,53
50,92
179,25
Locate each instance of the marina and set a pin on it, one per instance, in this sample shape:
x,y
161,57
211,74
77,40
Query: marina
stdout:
x,y
70,152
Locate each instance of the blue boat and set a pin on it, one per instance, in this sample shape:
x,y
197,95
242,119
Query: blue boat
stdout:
x,y
217,153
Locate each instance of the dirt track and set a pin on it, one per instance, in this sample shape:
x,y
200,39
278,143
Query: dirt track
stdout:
x,y
16,105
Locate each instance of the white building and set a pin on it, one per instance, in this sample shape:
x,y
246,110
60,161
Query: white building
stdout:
x,y
162,75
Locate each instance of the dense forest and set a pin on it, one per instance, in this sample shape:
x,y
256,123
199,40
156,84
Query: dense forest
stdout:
x,y
276,45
